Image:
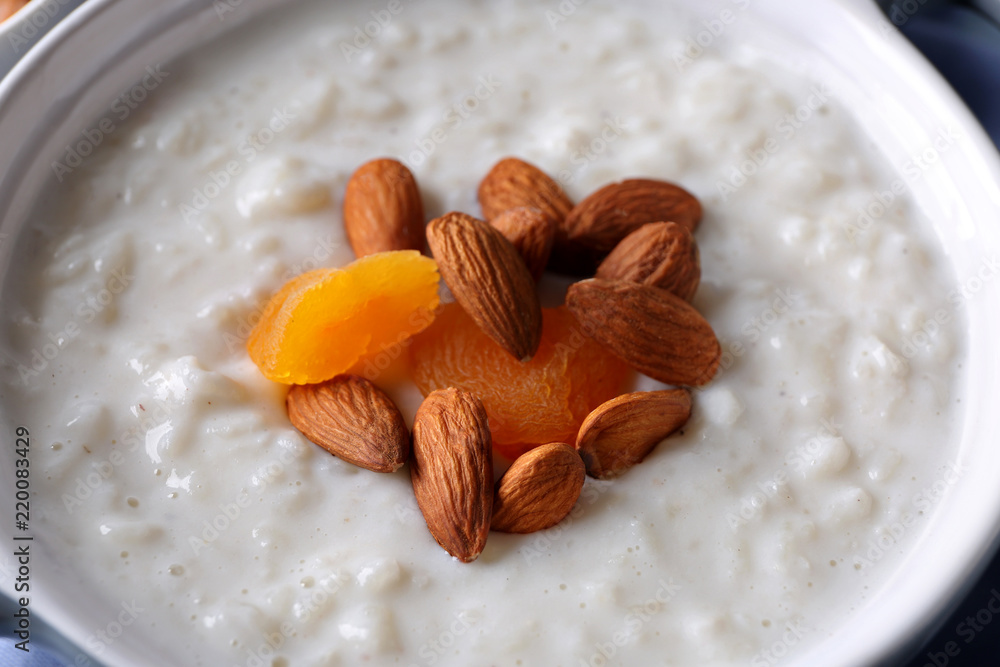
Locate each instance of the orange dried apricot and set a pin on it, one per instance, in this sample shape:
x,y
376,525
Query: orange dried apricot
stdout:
x,y
528,404
323,322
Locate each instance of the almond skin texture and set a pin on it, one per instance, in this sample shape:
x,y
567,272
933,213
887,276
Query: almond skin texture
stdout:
x,y
598,223
382,209
452,471
539,489
620,433
489,280
513,183
655,332
531,232
661,254
352,419
9,7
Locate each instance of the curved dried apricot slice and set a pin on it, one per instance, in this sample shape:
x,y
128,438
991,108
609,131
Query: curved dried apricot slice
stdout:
x,y
528,404
324,321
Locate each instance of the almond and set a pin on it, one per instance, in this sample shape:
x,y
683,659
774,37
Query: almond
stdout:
x,y
531,232
605,217
382,209
10,7
620,433
452,471
352,419
513,183
649,328
538,490
661,254
489,279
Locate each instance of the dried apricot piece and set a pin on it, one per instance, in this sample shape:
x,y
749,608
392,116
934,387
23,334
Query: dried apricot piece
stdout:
x,y
323,322
528,404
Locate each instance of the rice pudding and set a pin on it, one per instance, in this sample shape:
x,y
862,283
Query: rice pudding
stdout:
x,y
168,475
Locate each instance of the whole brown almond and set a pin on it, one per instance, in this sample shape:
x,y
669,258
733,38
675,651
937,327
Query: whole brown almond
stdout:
x,y
352,419
489,280
531,232
383,209
513,183
599,222
661,254
620,433
452,471
538,490
649,328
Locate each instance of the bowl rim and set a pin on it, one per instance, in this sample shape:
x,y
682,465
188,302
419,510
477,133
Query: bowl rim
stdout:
x,y
40,16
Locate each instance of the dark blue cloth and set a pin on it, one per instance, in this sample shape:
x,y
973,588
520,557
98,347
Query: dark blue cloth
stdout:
x,y
964,45
36,657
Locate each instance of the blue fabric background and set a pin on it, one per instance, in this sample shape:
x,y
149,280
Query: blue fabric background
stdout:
x,y
965,47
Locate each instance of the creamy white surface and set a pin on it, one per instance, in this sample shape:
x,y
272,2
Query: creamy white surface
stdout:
x,y
755,532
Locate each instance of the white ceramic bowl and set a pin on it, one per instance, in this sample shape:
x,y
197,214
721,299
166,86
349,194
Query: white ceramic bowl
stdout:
x,y
27,26
68,80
